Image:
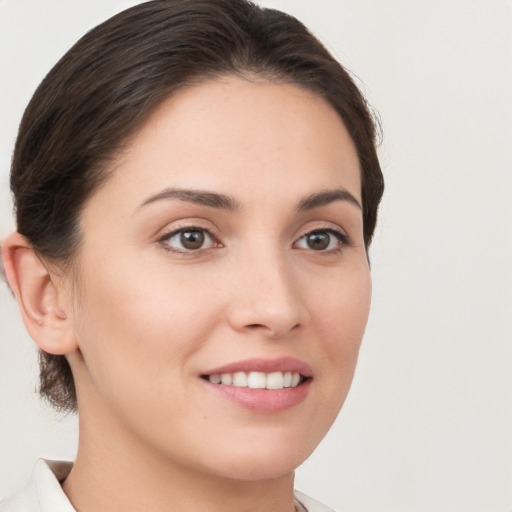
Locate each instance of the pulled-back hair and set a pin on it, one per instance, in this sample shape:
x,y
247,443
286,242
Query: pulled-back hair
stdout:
x,y
114,77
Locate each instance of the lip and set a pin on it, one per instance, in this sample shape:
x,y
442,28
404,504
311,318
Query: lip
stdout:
x,y
263,400
282,364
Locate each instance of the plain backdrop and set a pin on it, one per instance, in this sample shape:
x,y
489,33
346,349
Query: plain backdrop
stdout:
x,y
428,423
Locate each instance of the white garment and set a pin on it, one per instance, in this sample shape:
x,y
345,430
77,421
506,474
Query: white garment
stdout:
x,y
44,492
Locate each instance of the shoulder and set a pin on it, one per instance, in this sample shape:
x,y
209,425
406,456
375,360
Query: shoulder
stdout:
x,y
311,505
43,493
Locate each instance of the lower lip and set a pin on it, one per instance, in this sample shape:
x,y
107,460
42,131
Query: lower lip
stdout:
x,y
264,400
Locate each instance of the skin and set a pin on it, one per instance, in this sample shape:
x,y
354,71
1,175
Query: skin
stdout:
x,y
141,318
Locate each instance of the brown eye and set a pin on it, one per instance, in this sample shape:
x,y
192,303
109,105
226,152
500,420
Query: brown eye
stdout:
x,y
325,240
192,239
318,241
188,240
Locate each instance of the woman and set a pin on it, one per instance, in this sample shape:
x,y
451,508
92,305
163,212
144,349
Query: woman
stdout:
x,y
196,187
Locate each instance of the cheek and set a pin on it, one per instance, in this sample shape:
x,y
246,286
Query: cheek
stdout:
x,y
340,321
145,326
342,310
339,310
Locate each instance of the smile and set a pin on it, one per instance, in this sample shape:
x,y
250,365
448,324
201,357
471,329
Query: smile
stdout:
x,y
257,380
261,385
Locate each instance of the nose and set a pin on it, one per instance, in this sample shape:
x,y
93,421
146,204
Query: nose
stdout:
x,y
266,300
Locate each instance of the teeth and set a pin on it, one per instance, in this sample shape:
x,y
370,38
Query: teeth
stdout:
x,y
257,380
216,379
275,380
226,379
240,380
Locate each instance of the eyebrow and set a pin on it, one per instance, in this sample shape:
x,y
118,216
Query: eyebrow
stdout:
x,y
326,197
201,197
226,202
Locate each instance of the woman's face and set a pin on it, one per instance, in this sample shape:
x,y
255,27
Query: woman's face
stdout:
x,y
227,245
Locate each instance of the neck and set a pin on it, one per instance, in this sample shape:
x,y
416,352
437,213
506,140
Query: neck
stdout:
x,y
114,471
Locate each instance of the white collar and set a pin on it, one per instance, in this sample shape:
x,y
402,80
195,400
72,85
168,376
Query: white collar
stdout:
x,y
48,475
44,492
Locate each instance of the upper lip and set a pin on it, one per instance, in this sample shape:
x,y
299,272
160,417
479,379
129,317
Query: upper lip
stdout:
x,y
282,364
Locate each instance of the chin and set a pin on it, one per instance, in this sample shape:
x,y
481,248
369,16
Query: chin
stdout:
x,y
264,461
251,470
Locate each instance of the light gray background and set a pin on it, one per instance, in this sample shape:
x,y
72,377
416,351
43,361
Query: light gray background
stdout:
x,y
428,423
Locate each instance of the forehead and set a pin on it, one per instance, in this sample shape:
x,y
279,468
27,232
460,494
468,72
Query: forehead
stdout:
x,y
241,135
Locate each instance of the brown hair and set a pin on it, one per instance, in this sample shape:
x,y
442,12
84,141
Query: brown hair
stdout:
x,y
113,78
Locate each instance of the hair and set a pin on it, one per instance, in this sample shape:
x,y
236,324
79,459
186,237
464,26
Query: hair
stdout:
x,y
113,78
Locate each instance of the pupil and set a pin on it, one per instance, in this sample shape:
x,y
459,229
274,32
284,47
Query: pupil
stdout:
x,y
318,241
192,239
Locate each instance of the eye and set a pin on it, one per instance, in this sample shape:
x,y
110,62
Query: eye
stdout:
x,y
188,240
322,240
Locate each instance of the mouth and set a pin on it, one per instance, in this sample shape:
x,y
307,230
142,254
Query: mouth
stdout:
x,y
257,380
262,385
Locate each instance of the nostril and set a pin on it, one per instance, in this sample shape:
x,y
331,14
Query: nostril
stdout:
x,y
271,331
271,315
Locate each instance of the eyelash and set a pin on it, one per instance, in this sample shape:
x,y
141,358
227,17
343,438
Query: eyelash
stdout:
x,y
342,238
163,240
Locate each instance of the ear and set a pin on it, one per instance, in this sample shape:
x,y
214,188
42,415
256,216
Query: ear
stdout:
x,y
38,296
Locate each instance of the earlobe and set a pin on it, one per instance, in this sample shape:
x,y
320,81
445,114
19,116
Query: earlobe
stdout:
x,y
38,296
